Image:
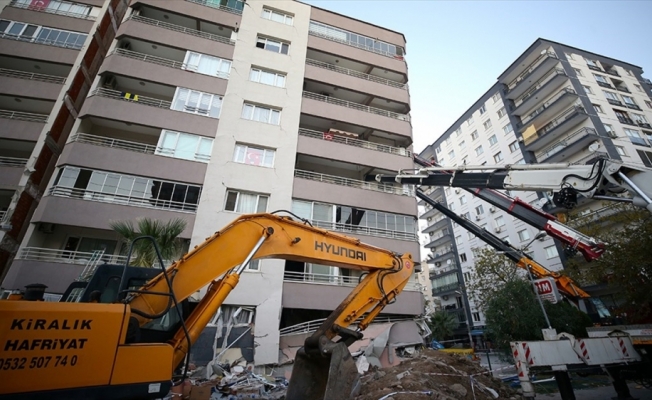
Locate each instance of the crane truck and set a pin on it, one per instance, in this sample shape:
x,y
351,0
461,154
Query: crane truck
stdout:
x,y
105,347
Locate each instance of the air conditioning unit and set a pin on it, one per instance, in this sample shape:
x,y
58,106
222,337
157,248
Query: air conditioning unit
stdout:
x,y
457,190
492,209
478,218
498,229
429,219
46,227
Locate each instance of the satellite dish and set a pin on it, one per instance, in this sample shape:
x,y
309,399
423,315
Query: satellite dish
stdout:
x,y
595,146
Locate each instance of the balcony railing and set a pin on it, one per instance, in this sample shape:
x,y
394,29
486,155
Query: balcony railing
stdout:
x,y
12,162
311,326
442,271
183,29
217,6
324,33
561,144
114,143
356,106
353,183
644,125
400,151
625,120
445,288
90,195
633,106
612,72
334,280
350,72
597,215
29,6
32,77
47,42
594,67
605,84
144,100
364,230
23,116
547,104
530,68
538,84
160,61
614,102
622,89
65,256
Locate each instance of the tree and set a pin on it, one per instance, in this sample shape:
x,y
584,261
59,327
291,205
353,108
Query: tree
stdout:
x,y
491,273
165,235
442,325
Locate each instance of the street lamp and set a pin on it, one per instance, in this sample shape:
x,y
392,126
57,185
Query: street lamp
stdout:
x,y
465,304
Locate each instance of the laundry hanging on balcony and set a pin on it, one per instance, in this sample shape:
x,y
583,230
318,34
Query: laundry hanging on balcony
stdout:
x,y
331,133
129,96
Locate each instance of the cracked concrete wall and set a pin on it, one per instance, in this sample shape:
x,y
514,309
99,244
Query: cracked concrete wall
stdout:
x,y
262,289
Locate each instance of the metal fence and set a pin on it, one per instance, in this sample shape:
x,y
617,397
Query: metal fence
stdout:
x,y
65,256
338,180
118,95
311,326
12,162
32,77
183,29
29,6
561,144
356,106
23,116
357,74
48,42
114,143
400,151
364,230
217,6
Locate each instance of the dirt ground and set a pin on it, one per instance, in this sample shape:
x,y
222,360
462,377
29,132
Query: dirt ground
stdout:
x,y
420,374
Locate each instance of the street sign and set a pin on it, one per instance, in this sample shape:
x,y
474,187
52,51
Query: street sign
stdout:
x,y
547,289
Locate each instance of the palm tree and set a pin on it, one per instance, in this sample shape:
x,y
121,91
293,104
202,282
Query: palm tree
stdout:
x,y
165,235
442,325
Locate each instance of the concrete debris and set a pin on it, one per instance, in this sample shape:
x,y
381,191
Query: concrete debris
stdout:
x,y
459,389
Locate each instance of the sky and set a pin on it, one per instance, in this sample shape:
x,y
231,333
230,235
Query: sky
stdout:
x,y
457,49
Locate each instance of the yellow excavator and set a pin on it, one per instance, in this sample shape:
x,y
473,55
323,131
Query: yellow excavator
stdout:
x,y
103,346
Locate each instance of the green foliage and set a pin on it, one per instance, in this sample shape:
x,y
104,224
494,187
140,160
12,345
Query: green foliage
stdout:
x,y
165,235
566,318
492,272
442,325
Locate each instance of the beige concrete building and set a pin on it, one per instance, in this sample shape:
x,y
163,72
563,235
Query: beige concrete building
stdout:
x,y
204,110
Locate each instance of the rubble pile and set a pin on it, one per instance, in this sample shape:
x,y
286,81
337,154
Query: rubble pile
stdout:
x,y
431,374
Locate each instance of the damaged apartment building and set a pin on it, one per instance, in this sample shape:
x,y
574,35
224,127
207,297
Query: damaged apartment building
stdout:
x,y
203,110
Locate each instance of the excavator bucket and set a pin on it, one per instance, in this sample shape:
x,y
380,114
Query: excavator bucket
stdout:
x,y
329,376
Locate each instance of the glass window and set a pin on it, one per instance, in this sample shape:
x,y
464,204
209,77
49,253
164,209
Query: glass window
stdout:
x,y
487,124
621,150
500,221
463,199
462,144
551,252
502,112
508,128
513,146
261,114
184,146
267,77
498,157
196,102
245,203
273,45
474,135
245,154
207,65
277,16
479,150
523,235
493,140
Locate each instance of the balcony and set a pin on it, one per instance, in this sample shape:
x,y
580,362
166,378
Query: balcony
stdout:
x,y
29,6
547,110
622,89
24,116
445,289
77,45
445,254
21,125
570,145
32,86
638,141
625,120
598,215
614,102
363,144
532,73
605,84
612,72
230,6
11,170
349,229
356,74
29,48
433,226
439,239
554,129
58,80
183,29
442,271
644,125
632,106
594,67
540,90
352,183
335,280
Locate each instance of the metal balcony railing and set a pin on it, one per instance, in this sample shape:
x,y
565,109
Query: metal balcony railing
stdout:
x,y
144,100
604,84
161,61
633,106
445,288
353,183
350,72
441,271
614,102
65,256
29,6
182,29
364,230
114,143
90,195
545,105
538,84
612,72
32,77
334,280
625,120
561,144
217,6
356,106
530,68
311,326
622,89
47,42
400,151
23,116
324,33
12,162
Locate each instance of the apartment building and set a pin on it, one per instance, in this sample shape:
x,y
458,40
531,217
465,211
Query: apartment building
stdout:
x,y
204,110
549,105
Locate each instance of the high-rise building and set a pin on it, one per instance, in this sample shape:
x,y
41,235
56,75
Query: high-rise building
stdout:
x,y
550,105
202,110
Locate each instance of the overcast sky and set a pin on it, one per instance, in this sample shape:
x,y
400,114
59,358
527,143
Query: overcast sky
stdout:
x,y
457,49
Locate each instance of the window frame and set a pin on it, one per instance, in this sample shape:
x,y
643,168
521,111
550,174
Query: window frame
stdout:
x,y
237,201
513,147
195,68
197,110
523,235
245,147
548,256
253,113
272,11
493,139
280,42
262,71
498,157
171,152
487,124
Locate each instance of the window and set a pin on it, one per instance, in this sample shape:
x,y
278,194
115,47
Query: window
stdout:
x,y
458,131
196,102
621,150
467,276
478,150
609,129
451,154
458,240
587,89
479,210
482,109
498,157
466,215
611,96
267,77
245,203
487,124
463,259
447,141
41,34
261,114
470,235
646,157
254,265
601,79
355,39
184,146
476,316
523,235
275,46
463,199
648,103
513,146
438,150
578,72
245,154
469,121
508,129
57,7
502,112
551,252
639,119
207,65
493,140
462,144
635,137
638,87
500,221
495,97
474,135
451,206
598,108
591,63
629,100
569,56
277,16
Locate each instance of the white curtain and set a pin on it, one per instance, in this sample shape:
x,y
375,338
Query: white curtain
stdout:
x,y
246,203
